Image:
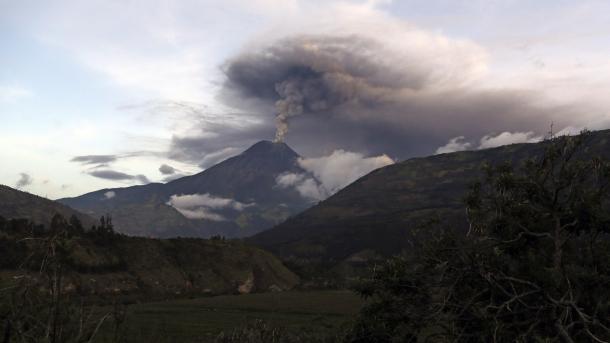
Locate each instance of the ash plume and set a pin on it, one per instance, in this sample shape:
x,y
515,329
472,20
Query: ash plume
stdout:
x,y
316,74
371,95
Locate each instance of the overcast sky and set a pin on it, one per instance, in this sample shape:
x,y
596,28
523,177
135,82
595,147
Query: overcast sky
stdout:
x,y
97,94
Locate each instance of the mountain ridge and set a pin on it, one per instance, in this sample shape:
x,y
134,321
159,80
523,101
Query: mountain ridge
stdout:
x,y
376,212
16,204
246,185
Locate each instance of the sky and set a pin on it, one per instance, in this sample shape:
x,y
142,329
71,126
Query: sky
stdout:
x,y
100,94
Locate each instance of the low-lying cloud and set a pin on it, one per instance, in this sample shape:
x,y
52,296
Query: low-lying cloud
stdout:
x,y
341,168
307,186
490,141
203,206
328,174
506,138
454,144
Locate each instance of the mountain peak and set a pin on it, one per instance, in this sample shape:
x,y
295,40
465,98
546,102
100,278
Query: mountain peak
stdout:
x,y
270,148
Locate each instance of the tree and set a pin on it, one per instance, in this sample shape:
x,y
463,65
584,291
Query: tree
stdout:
x,y
76,226
35,304
534,266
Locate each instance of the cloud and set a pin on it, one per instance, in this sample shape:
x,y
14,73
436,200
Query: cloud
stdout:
x,y
94,159
201,213
288,179
109,195
506,138
113,175
307,186
492,141
454,144
24,181
341,168
327,175
202,206
167,169
214,137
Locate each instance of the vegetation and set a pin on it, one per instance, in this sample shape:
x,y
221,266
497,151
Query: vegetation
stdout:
x,y
534,265
379,211
36,304
99,262
319,314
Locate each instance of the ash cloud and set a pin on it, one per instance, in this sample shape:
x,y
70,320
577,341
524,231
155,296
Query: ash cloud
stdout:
x,y
213,135
166,169
24,180
360,93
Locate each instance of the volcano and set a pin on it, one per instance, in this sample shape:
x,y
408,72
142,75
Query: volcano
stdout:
x,y
235,198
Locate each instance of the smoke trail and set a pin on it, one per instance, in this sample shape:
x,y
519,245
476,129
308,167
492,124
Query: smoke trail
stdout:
x,y
290,105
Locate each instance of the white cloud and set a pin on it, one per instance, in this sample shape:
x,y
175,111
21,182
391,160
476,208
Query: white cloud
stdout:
x,y
11,94
202,206
290,179
570,131
506,138
201,213
329,174
341,168
454,144
307,186
310,188
110,194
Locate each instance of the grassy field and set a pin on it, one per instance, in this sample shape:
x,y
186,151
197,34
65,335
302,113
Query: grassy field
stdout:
x,y
202,319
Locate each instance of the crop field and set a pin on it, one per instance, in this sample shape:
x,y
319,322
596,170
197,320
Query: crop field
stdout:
x,y
203,319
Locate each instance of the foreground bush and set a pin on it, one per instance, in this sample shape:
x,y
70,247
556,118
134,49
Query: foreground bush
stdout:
x,y
534,266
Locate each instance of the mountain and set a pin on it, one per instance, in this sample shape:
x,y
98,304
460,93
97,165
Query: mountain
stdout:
x,y
18,204
374,215
235,198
